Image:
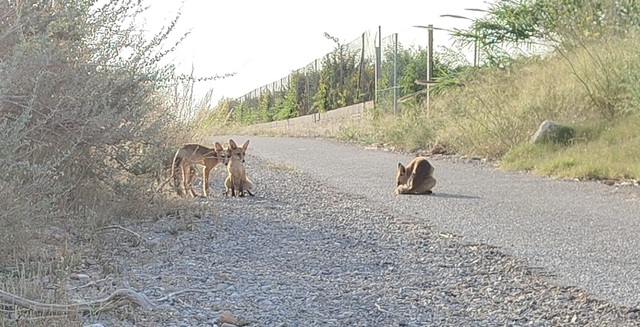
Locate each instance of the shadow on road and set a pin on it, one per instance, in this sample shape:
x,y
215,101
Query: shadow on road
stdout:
x,y
454,196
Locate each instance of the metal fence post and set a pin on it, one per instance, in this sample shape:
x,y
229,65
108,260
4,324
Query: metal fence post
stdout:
x,y
430,64
378,65
307,90
395,73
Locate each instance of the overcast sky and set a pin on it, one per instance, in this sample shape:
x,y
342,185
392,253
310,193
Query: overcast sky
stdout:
x,y
263,41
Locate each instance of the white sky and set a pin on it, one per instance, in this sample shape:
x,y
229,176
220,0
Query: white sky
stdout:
x,y
263,41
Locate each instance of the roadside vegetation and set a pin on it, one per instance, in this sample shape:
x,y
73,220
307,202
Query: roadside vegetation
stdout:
x,y
89,117
572,62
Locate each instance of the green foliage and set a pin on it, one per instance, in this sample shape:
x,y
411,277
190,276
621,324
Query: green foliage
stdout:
x,y
411,65
344,78
511,24
266,102
340,78
287,107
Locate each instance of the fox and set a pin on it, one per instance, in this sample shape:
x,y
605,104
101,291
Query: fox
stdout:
x,y
416,177
184,161
237,182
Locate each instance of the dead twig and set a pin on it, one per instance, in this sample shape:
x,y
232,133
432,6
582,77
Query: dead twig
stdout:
x,y
124,229
116,299
91,283
170,295
383,310
121,228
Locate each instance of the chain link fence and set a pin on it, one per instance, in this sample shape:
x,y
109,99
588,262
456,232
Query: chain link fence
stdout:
x,y
369,68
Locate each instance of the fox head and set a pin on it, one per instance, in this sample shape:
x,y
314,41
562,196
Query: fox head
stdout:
x,y
401,175
221,153
237,153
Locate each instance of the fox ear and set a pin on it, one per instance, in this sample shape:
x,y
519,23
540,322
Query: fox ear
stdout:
x,y
232,144
218,147
245,145
401,168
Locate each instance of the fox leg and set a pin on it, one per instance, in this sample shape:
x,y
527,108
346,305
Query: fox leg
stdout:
x,y
187,178
192,174
205,180
228,186
241,190
403,189
234,191
185,189
429,184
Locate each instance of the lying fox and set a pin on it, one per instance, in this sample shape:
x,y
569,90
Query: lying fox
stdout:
x,y
187,157
416,177
237,182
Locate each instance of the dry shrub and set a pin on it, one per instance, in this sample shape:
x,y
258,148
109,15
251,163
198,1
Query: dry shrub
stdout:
x,y
84,118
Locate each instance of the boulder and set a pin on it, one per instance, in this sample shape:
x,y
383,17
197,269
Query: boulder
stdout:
x,y
552,132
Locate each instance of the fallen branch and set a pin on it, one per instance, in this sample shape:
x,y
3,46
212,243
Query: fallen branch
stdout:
x,y
91,283
135,242
170,295
121,228
116,299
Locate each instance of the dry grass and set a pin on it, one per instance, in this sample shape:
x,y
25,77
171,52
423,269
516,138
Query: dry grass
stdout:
x,y
605,150
497,112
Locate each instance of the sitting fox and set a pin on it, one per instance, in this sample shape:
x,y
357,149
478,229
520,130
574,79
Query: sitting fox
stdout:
x,y
237,182
416,177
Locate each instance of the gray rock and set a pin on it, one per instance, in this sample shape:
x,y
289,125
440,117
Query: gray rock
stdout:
x,y
552,132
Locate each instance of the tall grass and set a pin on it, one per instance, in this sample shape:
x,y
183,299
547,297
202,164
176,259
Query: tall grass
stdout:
x,y
499,109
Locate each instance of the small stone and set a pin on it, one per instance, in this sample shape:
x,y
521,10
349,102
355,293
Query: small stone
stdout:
x,y
221,287
227,317
76,276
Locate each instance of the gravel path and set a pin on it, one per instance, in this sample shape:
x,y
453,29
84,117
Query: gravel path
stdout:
x,y
303,252
586,234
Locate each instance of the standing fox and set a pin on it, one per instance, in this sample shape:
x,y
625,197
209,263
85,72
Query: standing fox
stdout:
x,y
195,154
416,177
237,182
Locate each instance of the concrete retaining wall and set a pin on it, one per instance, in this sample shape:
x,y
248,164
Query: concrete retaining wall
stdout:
x,y
329,121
